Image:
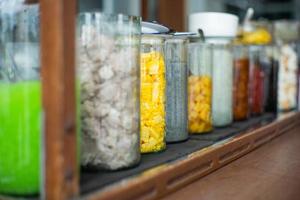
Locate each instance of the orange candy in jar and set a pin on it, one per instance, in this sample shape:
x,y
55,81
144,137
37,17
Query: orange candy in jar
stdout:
x,y
199,88
240,83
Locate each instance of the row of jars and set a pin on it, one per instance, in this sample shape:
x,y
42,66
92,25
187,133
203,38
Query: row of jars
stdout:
x,y
182,87
137,92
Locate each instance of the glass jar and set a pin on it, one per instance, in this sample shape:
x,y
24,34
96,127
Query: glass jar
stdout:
x,y
256,82
108,48
176,101
298,74
269,64
298,97
153,94
287,78
222,85
241,83
20,99
199,88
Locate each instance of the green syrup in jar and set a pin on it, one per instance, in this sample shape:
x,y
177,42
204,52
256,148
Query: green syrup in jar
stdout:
x,y
20,137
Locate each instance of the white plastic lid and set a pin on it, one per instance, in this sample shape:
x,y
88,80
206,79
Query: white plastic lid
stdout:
x,y
214,24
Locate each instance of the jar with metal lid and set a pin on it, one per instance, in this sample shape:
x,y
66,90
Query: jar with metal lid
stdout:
x,y
176,93
20,99
199,88
152,94
108,48
222,85
240,82
256,82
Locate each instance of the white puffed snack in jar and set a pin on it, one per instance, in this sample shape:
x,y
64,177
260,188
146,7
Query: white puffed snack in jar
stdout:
x,y
108,71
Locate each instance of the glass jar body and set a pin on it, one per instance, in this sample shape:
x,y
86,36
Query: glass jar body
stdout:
x,y
241,83
287,78
222,85
153,94
269,64
176,93
257,82
199,88
20,101
108,68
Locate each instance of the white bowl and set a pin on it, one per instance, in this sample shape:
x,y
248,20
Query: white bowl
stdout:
x,y
214,24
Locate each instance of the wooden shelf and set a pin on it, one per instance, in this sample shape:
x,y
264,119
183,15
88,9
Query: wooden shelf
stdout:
x,y
166,178
271,172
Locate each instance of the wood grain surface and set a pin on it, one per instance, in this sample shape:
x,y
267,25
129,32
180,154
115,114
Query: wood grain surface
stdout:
x,y
271,172
58,79
172,14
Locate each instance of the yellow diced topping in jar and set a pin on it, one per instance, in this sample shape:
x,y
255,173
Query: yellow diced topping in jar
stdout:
x,y
153,85
199,104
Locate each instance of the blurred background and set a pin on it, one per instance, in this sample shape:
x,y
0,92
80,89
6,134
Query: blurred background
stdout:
x,y
174,13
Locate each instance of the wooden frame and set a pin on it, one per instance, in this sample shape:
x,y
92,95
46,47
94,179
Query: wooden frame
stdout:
x,y
144,9
171,14
58,80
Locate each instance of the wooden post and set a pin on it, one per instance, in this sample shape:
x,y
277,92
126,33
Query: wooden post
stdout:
x,y
58,80
172,13
144,9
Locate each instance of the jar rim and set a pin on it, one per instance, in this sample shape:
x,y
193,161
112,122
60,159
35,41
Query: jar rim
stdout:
x,y
201,44
176,40
159,38
111,16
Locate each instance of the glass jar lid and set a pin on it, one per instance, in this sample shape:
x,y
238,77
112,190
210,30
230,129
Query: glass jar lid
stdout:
x,y
154,28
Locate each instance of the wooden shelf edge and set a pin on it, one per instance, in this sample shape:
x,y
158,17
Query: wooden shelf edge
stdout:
x,y
162,180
